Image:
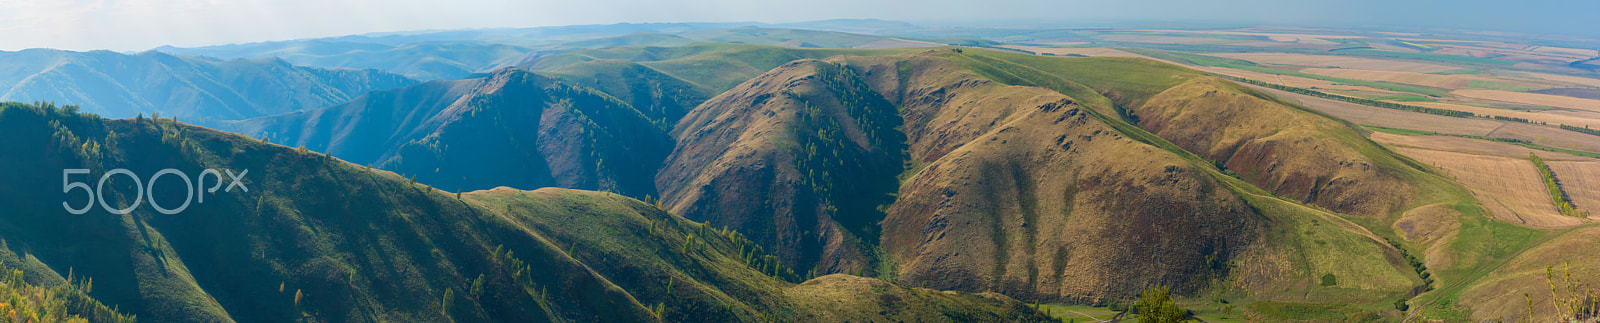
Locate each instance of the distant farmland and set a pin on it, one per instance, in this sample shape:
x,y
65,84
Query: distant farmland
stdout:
x,y
1510,188
1581,181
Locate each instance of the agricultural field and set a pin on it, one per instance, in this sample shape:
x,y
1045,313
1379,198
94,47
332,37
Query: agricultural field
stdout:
x,y
1510,188
1455,81
1568,117
1065,51
1532,98
1581,181
1334,61
1469,146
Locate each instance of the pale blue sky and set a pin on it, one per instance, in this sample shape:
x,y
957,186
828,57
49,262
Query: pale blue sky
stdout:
x,y
143,24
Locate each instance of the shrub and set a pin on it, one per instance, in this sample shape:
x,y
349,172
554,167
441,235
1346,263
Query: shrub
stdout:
x,y
1156,306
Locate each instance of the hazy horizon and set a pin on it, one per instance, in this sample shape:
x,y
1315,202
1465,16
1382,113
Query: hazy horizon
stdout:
x,y
125,25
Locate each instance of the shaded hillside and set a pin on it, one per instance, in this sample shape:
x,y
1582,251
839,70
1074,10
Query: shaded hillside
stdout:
x,y
387,249
661,97
800,158
193,89
511,128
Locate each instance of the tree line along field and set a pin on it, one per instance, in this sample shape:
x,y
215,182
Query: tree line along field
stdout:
x,y
1581,181
1510,188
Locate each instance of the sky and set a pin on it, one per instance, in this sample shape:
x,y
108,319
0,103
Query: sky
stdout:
x,y
134,25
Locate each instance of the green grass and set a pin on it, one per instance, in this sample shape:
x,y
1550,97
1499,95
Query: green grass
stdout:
x,y
1300,311
1492,85
1405,98
1464,71
1427,57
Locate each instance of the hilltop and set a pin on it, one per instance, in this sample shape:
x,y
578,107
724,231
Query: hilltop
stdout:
x,y
390,248
195,89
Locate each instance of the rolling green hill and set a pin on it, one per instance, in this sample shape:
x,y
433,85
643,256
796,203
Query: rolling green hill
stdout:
x,y
434,60
1073,180
190,88
512,128
388,249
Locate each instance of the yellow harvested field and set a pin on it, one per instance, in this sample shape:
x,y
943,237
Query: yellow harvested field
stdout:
x,y
1510,188
1331,61
1575,118
1532,98
1423,79
1469,146
1548,136
1581,181
1520,51
1374,116
1390,118
1507,55
1089,51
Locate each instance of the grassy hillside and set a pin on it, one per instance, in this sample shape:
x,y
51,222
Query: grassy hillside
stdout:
x,y
426,60
661,97
388,249
1079,180
718,67
801,158
1012,179
1437,224
511,128
190,88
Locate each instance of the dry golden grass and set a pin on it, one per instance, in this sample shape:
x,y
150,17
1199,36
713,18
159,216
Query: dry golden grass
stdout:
x,y
1575,118
1469,146
1500,295
1332,61
1532,98
1581,181
1510,188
